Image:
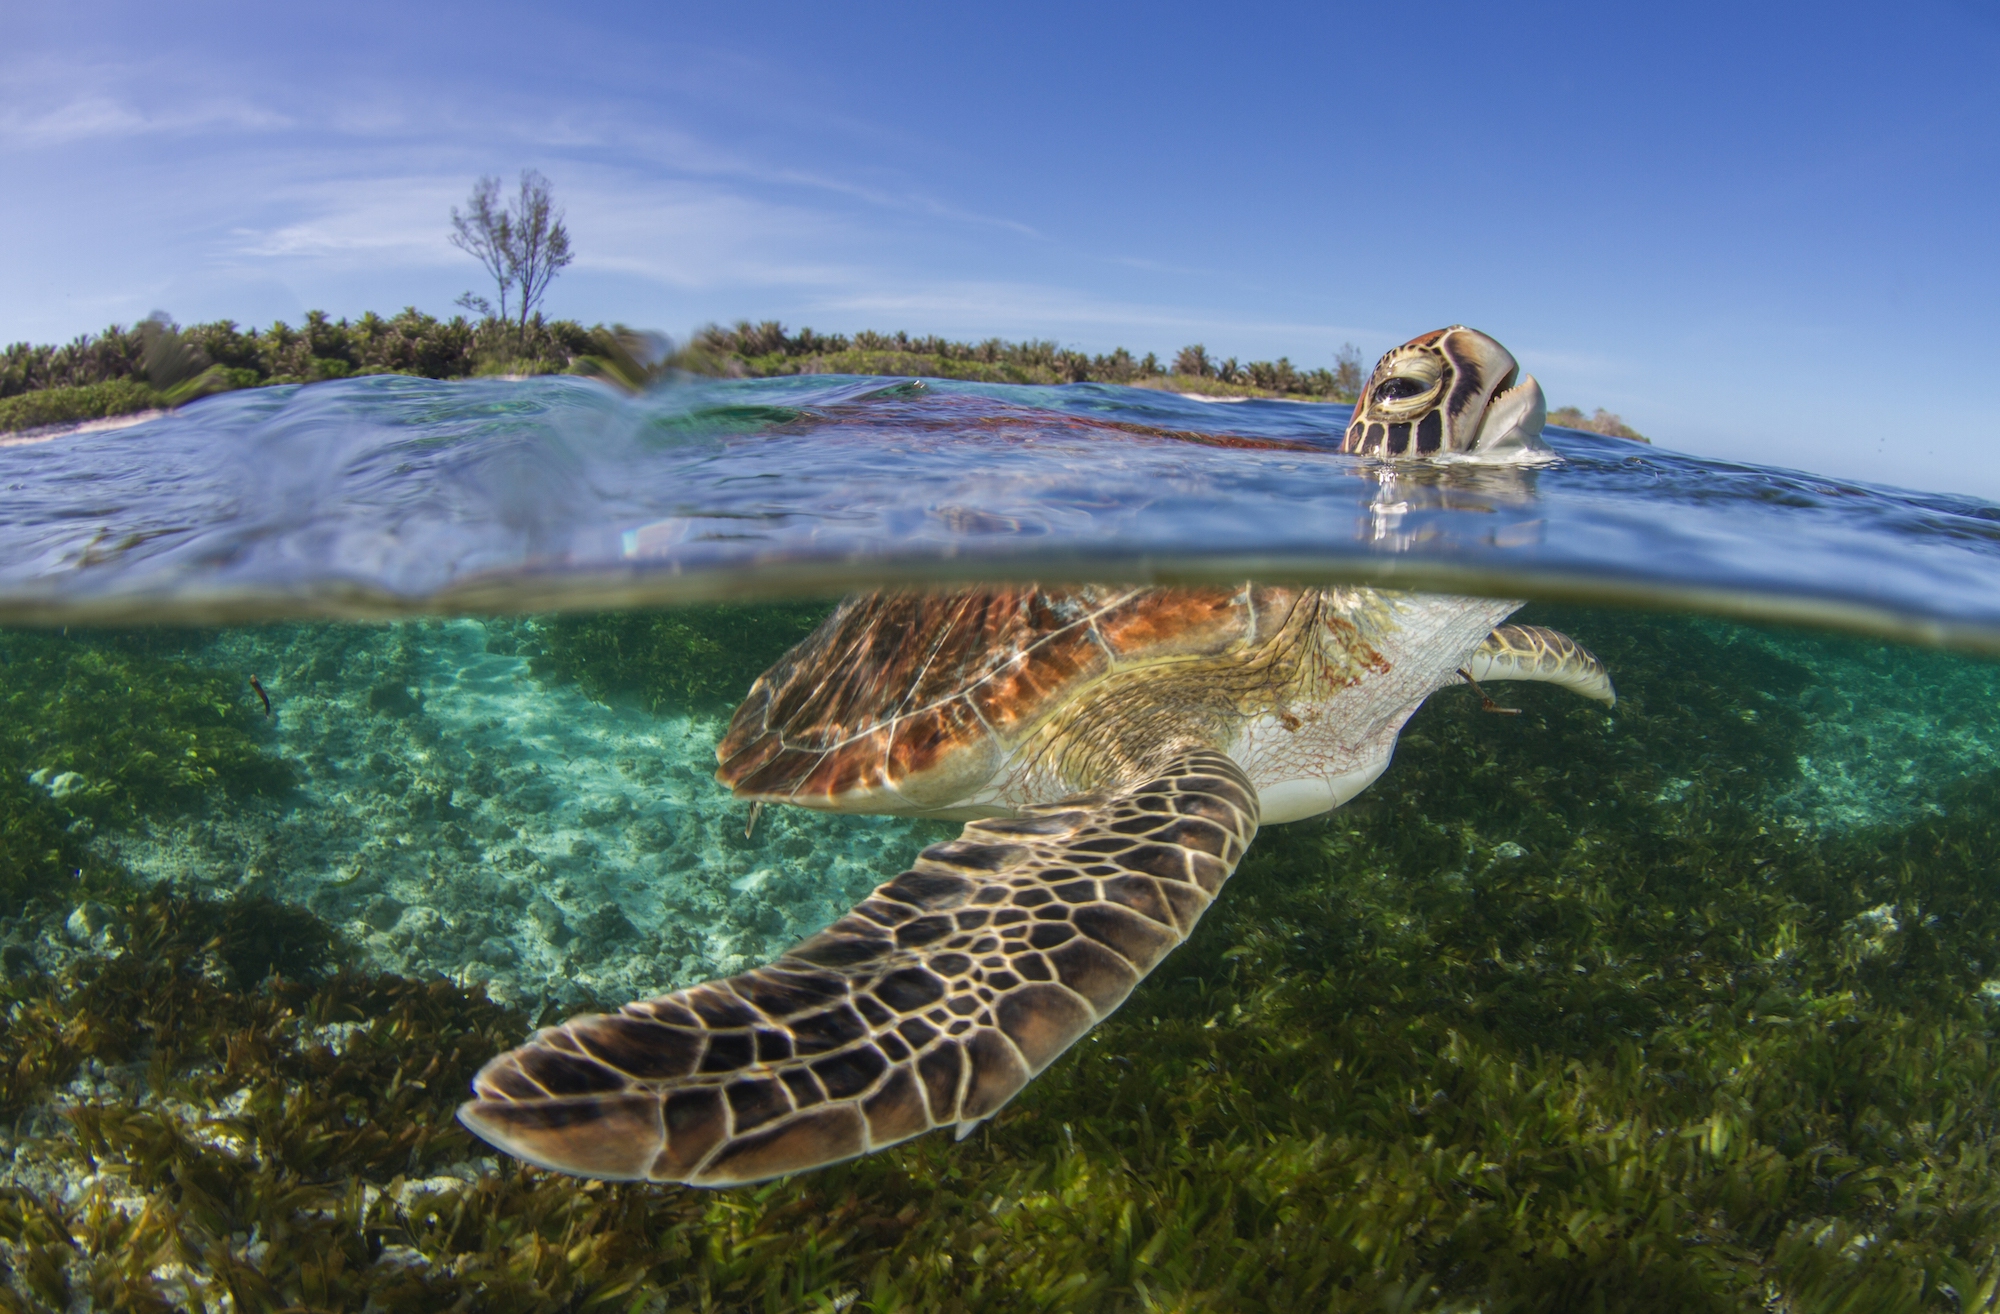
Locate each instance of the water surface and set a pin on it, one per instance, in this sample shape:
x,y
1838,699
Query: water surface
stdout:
x,y
390,495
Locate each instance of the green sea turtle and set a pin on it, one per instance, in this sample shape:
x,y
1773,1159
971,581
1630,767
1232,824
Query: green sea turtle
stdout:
x,y
1113,751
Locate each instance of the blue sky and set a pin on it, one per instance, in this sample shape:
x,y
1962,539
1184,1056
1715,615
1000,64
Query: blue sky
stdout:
x,y
1766,232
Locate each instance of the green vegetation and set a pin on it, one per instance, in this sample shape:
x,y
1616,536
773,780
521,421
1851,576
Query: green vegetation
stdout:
x,y
763,350
122,371
1549,1019
115,372
1604,422
105,729
39,852
91,401
686,659
144,733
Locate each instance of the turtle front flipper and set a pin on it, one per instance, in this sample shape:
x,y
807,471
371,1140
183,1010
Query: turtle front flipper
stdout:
x,y
1534,652
931,1003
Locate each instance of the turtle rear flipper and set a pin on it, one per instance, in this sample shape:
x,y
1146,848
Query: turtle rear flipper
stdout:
x,y
931,1003
1535,652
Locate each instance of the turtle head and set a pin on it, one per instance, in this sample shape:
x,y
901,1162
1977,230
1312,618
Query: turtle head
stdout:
x,y
1451,391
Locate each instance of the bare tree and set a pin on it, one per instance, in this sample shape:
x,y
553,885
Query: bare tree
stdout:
x,y
486,233
541,243
523,245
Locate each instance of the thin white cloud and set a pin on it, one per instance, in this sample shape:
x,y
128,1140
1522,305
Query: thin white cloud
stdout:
x,y
100,116
374,219
52,101
642,137
701,235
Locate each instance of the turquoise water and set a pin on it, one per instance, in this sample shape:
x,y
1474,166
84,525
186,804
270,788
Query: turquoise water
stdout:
x,y
458,814
253,955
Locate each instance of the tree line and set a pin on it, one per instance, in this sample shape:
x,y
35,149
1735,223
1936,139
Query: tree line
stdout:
x,y
158,352
1608,423
768,348
159,363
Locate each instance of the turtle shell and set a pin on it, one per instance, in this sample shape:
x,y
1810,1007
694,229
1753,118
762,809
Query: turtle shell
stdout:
x,y
909,701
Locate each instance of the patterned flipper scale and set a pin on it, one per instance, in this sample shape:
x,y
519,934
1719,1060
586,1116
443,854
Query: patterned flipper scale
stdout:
x,y
930,1004
1535,652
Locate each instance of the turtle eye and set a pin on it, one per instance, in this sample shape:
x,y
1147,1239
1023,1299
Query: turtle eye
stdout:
x,y
1400,389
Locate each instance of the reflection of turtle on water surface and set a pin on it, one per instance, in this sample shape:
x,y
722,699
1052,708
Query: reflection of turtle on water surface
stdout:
x,y
1115,750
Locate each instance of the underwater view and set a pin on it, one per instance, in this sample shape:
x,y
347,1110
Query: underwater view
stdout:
x,y
350,733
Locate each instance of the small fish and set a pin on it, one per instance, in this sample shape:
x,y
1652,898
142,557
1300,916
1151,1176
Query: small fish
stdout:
x,y
262,697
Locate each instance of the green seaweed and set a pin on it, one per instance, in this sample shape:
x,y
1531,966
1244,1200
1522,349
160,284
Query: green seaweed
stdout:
x,y
147,731
1550,1019
699,658
39,850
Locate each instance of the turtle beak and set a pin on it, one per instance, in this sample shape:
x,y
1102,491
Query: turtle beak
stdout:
x,y
1484,374
1512,425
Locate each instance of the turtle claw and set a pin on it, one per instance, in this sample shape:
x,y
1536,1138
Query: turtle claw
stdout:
x,y
1486,703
